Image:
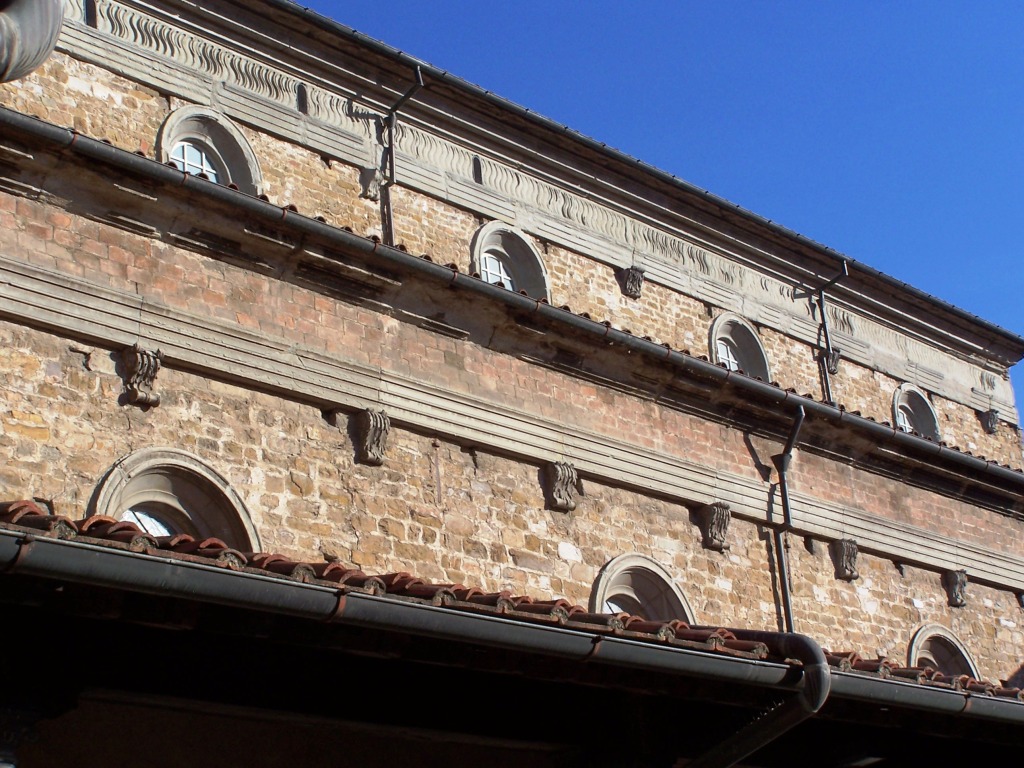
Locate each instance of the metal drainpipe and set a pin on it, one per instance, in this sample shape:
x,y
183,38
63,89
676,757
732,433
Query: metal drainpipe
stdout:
x,y
385,191
783,715
781,462
826,376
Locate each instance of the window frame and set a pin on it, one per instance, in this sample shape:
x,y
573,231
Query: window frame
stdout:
x,y
219,138
920,648
646,584
516,253
913,412
743,341
180,491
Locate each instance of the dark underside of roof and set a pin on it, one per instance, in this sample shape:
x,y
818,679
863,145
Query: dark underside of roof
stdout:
x,y
113,677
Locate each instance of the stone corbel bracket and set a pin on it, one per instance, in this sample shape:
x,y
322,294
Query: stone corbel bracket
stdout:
x,y
371,430
955,583
844,558
713,520
832,359
631,280
140,369
562,482
989,420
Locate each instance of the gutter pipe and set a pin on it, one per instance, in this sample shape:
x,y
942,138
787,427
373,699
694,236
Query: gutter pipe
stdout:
x,y
783,716
782,462
475,91
29,554
139,166
43,557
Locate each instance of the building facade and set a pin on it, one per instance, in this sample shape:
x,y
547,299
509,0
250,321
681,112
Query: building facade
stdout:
x,y
268,281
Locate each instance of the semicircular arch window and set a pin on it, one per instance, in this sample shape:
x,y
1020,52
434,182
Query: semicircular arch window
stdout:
x,y
202,142
502,255
912,412
640,586
735,345
936,646
166,491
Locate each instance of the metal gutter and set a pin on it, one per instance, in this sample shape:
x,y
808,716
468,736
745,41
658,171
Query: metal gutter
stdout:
x,y
475,91
27,554
127,162
898,693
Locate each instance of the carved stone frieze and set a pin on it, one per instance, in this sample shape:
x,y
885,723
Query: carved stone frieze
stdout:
x,y
140,369
631,280
866,340
371,430
561,482
844,558
989,420
713,520
955,584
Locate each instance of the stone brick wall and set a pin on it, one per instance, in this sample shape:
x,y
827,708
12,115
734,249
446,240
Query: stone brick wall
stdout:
x,y
104,105
443,511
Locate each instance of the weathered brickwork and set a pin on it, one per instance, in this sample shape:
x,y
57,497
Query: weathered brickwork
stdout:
x,y
442,505
99,103
92,100
443,511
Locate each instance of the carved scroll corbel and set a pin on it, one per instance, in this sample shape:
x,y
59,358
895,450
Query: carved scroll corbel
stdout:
x,y
371,436
955,583
562,481
832,358
713,520
989,420
140,369
631,280
844,558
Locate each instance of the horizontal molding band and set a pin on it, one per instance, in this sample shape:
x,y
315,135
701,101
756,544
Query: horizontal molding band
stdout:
x,y
75,307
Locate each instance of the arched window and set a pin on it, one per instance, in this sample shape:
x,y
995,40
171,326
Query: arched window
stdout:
x,y
165,491
912,412
735,344
638,585
504,255
198,140
935,646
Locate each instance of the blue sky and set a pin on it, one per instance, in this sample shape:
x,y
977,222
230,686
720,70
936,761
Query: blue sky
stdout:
x,y
892,132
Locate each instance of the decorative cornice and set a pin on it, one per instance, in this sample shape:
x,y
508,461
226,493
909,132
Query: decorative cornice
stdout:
x,y
71,306
683,262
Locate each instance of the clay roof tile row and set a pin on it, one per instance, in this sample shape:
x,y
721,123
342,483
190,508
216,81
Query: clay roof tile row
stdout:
x,y
29,516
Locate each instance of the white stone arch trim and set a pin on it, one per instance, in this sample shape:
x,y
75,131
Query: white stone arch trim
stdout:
x,y
645,581
216,134
914,401
746,341
184,485
930,633
521,256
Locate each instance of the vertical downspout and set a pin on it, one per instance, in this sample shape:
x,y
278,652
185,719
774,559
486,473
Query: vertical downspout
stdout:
x,y
782,462
827,360
389,181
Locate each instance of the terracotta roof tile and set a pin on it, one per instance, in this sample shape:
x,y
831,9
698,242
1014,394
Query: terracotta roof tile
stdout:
x,y
30,517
